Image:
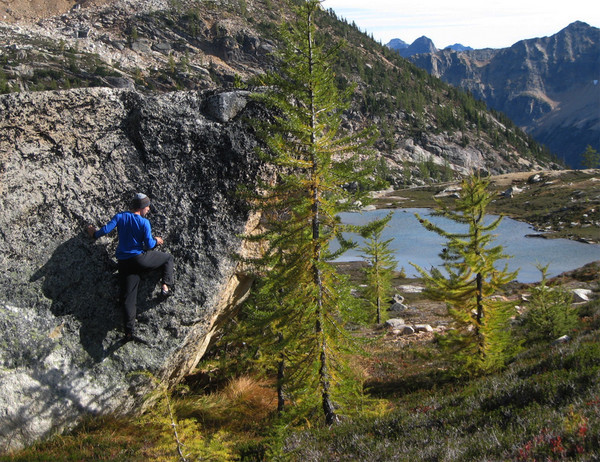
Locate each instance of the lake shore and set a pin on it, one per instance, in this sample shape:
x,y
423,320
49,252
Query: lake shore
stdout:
x,y
558,204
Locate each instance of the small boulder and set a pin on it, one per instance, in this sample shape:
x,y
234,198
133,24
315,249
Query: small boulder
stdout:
x,y
403,330
510,192
535,178
581,295
224,107
423,328
397,308
395,323
397,298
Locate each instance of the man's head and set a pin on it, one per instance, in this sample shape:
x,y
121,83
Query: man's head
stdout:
x,y
140,203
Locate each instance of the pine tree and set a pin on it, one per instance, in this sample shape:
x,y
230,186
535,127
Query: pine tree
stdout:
x,y
301,300
551,313
590,158
381,267
480,339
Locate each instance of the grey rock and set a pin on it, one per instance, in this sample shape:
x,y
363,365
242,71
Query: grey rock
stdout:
x,y
224,107
397,298
142,46
563,339
403,330
535,178
394,323
120,82
423,328
75,157
582,295
162,47
510,192
397,308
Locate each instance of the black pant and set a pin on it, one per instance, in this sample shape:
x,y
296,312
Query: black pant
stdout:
x,y
129,279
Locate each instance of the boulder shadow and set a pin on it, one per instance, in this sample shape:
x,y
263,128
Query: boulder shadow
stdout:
x,y
81,280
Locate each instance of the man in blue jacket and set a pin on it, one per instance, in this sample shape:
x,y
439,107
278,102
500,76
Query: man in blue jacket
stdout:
x,y
135,255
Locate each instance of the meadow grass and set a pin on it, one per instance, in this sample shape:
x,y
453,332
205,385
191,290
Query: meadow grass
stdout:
x,y
544,406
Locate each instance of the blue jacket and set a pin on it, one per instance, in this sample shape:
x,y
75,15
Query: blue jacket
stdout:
x,y
135,234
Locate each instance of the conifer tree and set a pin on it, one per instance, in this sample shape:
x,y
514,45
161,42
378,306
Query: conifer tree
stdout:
x,y
480,339
590,158
381,267
301,296
551,313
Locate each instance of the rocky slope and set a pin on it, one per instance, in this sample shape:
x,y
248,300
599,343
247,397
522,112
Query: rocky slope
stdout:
x,y
161,45
75,157
548,86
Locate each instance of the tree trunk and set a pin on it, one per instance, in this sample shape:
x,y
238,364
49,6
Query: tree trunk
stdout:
x,y
280,379
324,381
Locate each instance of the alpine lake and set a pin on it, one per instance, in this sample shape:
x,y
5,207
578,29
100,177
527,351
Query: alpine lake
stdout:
x,y
552,219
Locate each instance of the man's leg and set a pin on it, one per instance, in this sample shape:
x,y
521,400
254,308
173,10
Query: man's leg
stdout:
x,y
129,281
154,259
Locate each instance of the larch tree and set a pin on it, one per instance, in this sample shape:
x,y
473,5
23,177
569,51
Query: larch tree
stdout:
x,y
381,267
480,339
301,300
590,158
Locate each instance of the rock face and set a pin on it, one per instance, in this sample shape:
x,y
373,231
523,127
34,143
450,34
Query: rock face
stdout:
x,y
549,85
75,157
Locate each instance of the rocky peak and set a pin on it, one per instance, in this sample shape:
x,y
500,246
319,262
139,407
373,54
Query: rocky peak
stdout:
x,y
419,46
546,85
397,44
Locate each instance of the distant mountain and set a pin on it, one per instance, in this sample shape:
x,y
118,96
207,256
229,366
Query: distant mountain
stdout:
x,y
397,44
421,45
548,85
458,47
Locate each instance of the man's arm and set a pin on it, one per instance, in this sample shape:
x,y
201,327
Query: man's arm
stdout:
x,y
107,228
149,241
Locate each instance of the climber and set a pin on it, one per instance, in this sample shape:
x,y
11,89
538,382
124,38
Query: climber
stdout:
x,y
135,256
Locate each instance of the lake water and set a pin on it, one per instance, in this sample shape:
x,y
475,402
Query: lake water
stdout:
x,y
413,243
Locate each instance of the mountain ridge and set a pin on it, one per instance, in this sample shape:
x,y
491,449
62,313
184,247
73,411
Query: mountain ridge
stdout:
x,y
528,82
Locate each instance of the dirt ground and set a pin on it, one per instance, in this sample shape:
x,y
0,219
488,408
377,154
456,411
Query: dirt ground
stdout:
x,y
12,11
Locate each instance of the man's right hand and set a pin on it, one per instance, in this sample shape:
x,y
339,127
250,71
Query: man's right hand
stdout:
x,y
159,240
91,230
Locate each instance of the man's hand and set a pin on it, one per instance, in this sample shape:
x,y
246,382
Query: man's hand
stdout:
x,y
159,240
91,230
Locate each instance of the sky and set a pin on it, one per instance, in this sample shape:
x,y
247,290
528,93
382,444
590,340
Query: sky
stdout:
x,y
474,23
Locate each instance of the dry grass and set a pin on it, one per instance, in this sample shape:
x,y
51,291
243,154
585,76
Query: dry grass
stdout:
x,y
244,404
